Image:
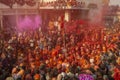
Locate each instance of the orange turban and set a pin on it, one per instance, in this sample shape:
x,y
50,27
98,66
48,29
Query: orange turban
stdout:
x,y
36,77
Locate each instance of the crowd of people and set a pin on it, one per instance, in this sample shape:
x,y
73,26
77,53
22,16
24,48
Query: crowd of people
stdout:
x,y
61,55
63,3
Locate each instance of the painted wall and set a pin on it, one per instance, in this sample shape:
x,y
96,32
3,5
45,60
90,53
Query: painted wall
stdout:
x,y
114,2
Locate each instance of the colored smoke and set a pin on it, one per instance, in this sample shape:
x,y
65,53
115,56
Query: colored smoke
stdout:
x,y
96,15
29,22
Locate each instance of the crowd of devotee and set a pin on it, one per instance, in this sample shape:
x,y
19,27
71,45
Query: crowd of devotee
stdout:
x,y
61,54
62,3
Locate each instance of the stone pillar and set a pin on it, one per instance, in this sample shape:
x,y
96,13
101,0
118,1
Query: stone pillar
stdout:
x,y
1,21
16,14
67,15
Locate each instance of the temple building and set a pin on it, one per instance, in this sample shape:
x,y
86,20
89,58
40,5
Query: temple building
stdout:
x,y
82,9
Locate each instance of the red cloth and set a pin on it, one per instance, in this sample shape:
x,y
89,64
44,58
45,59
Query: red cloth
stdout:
x,y
83,22
62,21
117,74
62,25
